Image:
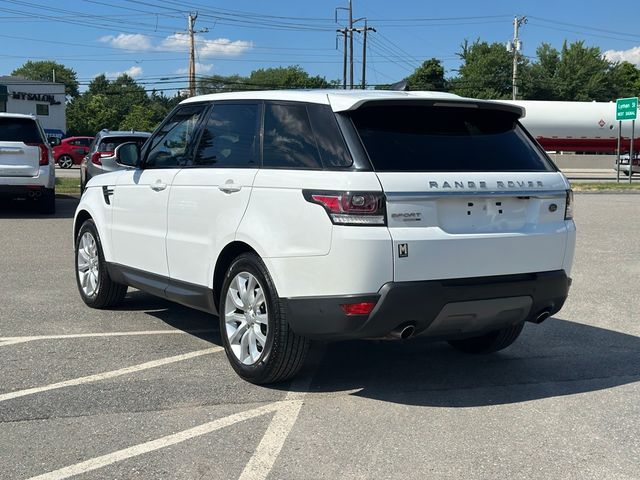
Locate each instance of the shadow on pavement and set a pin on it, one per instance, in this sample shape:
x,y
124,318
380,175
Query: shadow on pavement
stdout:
x,y
65,208
556,358
175,315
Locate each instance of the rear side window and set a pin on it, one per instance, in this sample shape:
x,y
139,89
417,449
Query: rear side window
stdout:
x,y
288,139
230,137
333,150
19,130
410,138
109,144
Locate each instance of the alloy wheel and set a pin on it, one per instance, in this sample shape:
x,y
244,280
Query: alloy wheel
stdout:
x,y
88,265
246,318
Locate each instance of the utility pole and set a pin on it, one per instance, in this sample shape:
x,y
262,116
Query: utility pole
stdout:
x,y
343,32
351,44
514,47
348,33
192,51
364,31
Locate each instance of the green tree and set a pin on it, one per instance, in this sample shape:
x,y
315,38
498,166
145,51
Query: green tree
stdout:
x,y
428,76
43,71
286,77
486,71
576,73
90,113
118,104
626,80
539,82
292,76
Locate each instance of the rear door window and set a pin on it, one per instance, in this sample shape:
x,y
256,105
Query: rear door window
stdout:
x,y
19,130
413,138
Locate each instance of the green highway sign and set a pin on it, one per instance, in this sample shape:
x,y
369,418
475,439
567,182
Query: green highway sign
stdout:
x,y
627,108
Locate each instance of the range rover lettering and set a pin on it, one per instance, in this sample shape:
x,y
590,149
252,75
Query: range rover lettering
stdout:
x,y
302,215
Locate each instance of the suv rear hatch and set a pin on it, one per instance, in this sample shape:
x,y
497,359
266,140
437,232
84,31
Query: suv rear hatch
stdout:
x,y
469,192
20,150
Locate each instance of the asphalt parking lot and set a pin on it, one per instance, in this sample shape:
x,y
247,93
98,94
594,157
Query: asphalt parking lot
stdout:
x,y
145,391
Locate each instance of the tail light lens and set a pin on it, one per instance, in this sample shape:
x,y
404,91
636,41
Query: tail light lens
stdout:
x,y
44,152
568,209
351,208
96,158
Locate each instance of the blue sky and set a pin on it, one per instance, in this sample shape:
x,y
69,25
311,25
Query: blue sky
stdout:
x,y
141,36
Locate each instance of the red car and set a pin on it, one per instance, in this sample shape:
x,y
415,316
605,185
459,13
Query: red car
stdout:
x,y
71,151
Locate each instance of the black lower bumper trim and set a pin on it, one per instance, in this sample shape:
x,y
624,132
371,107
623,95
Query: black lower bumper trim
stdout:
x,y
449,308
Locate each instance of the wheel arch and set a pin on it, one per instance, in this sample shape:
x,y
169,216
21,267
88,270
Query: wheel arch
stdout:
x,y
226,257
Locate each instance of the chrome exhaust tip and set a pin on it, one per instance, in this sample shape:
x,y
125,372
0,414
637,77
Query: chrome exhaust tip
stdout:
x,y
403,332
542,316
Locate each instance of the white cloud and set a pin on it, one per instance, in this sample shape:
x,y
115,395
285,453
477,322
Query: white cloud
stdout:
x,y
631,55
133,71
128,41
178,42
200,68
206,48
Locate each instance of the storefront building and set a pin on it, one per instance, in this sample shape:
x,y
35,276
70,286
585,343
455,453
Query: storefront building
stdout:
x,y
45,100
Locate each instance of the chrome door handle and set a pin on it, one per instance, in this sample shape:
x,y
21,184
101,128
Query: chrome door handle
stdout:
x,y
158,186
230,187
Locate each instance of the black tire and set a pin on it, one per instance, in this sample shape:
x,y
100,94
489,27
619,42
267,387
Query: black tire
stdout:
x,y
108,293
47,201
489,342
284,352
65,161
625,173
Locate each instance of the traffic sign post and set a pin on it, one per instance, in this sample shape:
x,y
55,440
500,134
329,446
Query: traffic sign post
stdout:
x,y
626,109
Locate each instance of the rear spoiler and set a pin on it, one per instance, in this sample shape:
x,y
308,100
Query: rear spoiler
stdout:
x,y
454,102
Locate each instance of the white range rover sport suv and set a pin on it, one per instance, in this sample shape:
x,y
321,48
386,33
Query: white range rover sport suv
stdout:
x,y
301,215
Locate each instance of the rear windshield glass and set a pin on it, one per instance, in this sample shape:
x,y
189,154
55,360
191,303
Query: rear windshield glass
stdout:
x,y
109,144
19,130
434,139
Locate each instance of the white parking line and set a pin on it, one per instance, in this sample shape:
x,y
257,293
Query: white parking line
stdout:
x,y
110,374
4,341
150,446
263,459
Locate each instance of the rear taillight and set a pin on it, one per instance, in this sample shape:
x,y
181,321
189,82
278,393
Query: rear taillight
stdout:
x,y
44,152
568,209
96,158
351,208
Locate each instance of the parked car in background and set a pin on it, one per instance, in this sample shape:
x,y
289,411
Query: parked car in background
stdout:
x,y
624,163
71,151
100,158
26,161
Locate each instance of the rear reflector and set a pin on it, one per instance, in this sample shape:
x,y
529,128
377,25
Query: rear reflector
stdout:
x,y
361,308
351,208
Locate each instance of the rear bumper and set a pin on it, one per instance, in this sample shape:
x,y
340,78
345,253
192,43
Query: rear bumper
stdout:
x,y
44,179
17,191
436,308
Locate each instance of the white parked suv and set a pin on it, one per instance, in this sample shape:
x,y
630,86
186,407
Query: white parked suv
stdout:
x,y
26,161
334,215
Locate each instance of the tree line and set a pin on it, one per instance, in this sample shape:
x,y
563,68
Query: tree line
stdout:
x,y
575,72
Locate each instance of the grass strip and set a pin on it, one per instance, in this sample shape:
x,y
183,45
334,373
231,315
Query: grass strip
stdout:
x,y
68,185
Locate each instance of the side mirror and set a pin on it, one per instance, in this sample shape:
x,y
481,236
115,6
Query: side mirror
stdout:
x,y
53,141
128,154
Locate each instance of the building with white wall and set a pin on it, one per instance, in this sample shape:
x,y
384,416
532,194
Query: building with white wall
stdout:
x,y
45,100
